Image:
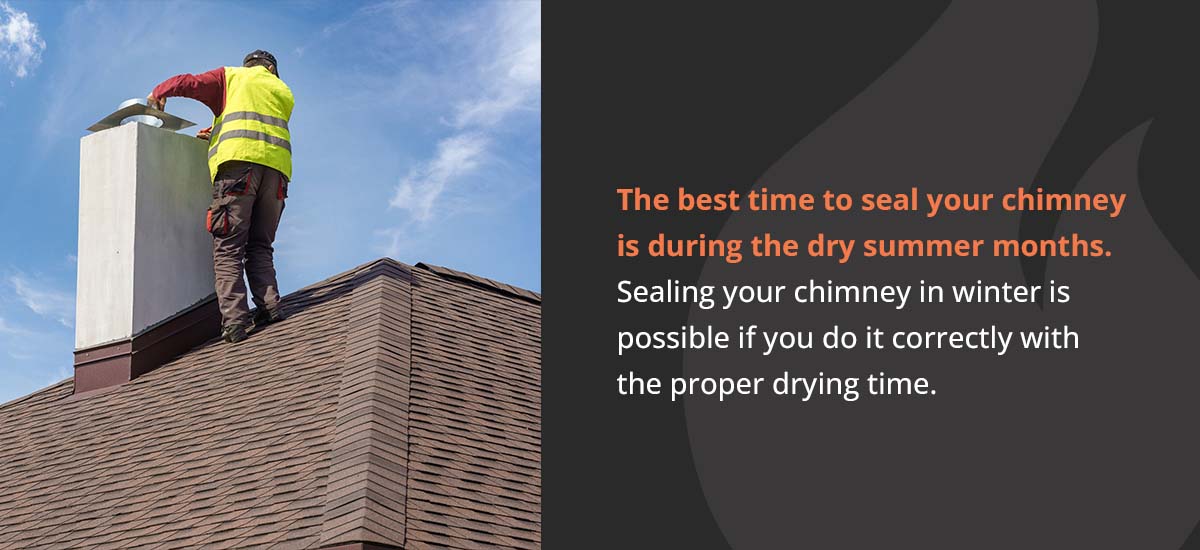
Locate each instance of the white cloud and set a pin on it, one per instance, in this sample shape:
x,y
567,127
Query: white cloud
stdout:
x,y
20,44
395,240
47,302
457,156
510,70
11,330
506,79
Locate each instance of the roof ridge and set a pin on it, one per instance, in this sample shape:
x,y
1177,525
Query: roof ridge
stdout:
x,y
483,282
349,274
368,466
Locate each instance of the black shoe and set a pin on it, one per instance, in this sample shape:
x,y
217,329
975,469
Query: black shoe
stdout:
x,y
264,317
233,333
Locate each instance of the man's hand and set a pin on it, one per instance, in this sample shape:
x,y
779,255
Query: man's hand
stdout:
x,y
159,103
205,133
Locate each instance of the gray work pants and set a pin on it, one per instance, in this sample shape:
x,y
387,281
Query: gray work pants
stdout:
x,y
248,200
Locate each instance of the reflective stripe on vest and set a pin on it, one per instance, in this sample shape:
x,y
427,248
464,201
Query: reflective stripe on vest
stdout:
x,y
250,134
254,126
247,115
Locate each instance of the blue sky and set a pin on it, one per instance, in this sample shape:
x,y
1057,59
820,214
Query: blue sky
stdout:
x,y
416,135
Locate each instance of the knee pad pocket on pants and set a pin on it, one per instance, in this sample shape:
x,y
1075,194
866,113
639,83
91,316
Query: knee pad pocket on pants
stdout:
x,y
219,220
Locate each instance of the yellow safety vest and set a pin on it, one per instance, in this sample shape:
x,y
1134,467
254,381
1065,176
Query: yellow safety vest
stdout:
x,y
254,125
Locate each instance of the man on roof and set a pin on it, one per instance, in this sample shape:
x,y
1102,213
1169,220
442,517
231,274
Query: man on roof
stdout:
x,y
250,162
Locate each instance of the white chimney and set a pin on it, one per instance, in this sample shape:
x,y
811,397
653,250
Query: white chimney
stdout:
x,y
145,279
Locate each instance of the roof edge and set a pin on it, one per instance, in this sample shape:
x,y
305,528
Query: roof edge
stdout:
x,y
35,393
482,282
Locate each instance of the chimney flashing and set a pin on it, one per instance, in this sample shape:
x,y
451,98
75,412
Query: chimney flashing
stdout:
x,y
120,361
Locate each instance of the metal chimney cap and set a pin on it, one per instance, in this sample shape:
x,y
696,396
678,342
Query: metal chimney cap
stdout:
x,y
135,101
139,110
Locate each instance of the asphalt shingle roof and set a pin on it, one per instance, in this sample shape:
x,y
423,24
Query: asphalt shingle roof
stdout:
x,y
397,405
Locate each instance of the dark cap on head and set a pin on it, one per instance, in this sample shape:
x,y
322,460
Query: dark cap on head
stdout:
x,y
263,55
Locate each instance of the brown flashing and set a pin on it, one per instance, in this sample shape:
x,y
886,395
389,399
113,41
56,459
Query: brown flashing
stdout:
x,y
115,363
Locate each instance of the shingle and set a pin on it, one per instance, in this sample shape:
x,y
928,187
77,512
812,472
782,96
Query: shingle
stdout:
x,y
397,405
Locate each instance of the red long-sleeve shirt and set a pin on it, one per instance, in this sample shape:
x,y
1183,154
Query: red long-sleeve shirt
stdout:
x,y
207,88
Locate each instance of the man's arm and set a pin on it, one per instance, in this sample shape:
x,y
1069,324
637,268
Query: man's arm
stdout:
x,y
207,88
